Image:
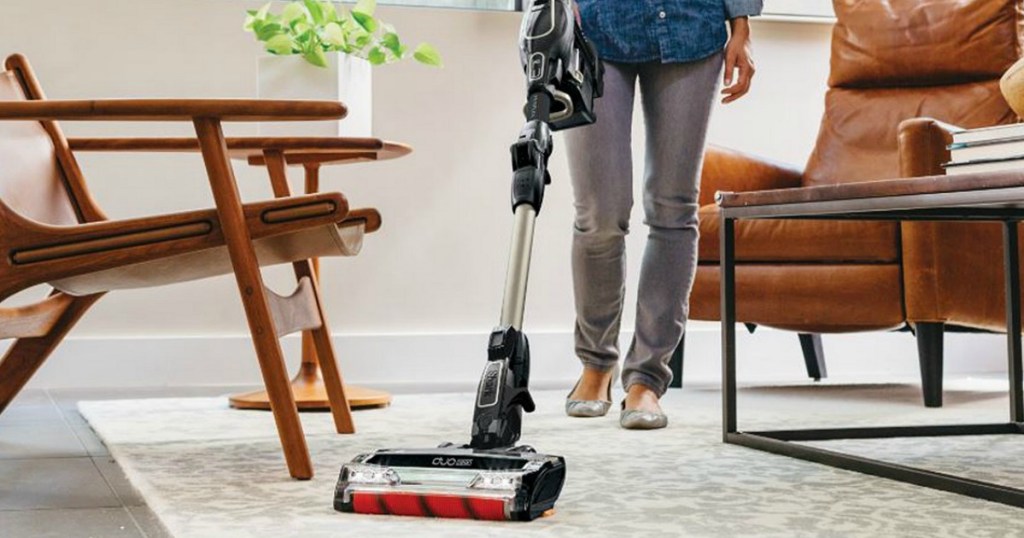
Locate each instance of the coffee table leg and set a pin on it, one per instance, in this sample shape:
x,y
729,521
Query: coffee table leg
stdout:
x,y
728,315
1011,259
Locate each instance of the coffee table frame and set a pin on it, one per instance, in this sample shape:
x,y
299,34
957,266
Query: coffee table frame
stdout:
x,y
1005,205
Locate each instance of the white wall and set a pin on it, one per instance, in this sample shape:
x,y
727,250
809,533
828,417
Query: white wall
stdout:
x,y
437,266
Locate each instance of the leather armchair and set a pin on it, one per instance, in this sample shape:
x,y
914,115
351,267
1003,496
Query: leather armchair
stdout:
x,y
892,61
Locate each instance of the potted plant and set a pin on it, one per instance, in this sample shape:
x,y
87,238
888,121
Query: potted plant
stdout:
x,y
318,51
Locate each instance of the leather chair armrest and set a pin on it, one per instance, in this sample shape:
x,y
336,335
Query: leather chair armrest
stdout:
x,y
923,146
730,170
927,270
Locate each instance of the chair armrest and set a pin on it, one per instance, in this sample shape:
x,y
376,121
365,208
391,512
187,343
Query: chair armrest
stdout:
x,y
171,110
730,170
42,253
923,146
296,150
367,216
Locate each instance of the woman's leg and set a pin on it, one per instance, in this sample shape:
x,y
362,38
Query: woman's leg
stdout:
x,y
601,166
677,102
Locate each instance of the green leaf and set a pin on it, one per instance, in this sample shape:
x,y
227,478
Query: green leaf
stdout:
x,y
392,43
362,41
366,21
280,44
377,56
365,7
330,12
334,35
262,12
305,38
266,31
256,16
426,54
314,10
293,12
316,57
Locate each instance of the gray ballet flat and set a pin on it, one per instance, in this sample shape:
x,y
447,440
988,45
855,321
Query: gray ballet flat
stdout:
x,y
589,408
632,419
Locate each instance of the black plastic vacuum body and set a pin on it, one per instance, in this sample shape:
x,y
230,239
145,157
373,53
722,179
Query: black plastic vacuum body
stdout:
x,y
492,477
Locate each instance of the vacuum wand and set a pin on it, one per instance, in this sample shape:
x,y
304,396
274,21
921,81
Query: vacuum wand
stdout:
x,y
529,162
514,305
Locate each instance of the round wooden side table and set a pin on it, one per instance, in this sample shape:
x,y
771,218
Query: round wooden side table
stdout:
x,y
307,386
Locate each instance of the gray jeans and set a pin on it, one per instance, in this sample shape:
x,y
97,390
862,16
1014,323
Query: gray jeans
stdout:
x,y
677,101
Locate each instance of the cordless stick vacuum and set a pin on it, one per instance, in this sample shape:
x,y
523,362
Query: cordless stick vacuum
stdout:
x,y
491,477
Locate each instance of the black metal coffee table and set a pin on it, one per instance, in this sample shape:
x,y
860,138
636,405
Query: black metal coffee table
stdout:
x,y
988,197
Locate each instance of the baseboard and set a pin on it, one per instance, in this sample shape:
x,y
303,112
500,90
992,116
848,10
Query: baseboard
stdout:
x,y
436,362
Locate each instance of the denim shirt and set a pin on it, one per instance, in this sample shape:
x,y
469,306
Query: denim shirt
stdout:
x,y
635,31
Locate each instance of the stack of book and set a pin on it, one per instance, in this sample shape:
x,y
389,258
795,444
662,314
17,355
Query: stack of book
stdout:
x,y
990,149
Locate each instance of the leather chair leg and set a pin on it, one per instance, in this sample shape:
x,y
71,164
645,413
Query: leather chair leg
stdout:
x,y
814,356
929,351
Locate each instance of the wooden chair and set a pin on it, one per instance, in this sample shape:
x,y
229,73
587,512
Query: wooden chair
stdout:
x,y
53,233
311,154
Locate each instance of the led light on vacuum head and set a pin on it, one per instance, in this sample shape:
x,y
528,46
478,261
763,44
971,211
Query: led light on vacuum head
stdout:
x,y
372,475
498,481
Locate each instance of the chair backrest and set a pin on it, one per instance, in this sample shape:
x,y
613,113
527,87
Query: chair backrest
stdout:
x,y
897,59
39,179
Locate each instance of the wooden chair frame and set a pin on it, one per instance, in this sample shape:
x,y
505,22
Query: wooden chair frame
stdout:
x,y
37,253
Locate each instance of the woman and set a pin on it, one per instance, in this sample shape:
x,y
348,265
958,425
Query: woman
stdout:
x,y
676,50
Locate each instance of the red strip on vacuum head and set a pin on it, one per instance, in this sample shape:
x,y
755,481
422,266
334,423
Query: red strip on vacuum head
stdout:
x,y
367,503
410,504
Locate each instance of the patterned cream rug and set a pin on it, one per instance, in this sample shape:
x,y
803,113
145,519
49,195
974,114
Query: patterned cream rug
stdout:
x,y
209,471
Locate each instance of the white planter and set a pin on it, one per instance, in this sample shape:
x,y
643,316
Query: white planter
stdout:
x,y
346,79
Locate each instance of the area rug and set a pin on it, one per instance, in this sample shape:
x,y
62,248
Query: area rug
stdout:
x,y
210,471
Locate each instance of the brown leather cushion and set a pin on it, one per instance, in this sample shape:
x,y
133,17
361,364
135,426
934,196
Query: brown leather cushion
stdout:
x,y
922,42
801,240
806,298
858,136
30,180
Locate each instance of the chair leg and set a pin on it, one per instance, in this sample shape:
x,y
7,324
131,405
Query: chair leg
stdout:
x,y
676,363
333,382
814,356
26,355
254,296
929,351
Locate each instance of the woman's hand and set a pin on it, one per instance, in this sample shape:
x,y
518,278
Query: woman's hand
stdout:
x,y
739,63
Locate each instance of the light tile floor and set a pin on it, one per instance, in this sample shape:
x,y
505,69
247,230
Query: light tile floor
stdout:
x,y
56,477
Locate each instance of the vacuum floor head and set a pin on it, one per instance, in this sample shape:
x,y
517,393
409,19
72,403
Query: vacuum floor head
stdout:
x,y
458,482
